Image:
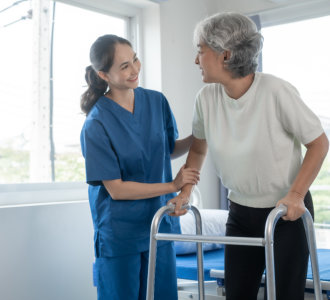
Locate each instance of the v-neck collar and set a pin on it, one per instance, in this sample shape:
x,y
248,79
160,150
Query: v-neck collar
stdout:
x,y
114,106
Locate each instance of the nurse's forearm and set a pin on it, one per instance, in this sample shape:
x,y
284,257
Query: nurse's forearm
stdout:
x,y
131,190
181,147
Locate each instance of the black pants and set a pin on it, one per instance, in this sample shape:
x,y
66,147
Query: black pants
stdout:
x,y
244,265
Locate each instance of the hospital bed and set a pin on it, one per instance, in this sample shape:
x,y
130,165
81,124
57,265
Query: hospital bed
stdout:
x,y
214,275
209,265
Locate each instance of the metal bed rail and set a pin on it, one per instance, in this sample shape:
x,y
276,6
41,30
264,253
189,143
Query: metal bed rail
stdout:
x,y
267,242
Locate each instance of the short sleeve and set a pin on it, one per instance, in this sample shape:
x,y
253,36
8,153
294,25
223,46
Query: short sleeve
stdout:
x,y
101,162
198,120
171,127
295,115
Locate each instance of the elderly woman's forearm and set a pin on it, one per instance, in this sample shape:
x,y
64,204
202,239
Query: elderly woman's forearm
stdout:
x,y
315,154
197,154
195,159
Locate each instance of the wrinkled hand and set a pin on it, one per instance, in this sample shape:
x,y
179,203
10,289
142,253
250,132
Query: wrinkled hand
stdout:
x,y
295,204
178,201
184,176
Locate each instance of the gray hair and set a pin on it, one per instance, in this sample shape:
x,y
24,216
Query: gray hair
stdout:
x,y
235,33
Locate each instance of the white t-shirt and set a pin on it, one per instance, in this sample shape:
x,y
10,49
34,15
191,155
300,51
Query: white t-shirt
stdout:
x,y
255,141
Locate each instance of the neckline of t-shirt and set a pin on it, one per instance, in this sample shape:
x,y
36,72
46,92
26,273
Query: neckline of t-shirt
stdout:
x,y
240,101
118,108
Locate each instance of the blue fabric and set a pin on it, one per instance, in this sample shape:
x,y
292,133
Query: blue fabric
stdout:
x,y
186,265
134,147
125,277
323,256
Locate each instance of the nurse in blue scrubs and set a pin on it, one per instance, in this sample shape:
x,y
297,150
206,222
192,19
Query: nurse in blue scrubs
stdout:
x,y
128,140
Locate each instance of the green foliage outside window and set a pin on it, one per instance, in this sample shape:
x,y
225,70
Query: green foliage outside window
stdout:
x,y
69,166
321,197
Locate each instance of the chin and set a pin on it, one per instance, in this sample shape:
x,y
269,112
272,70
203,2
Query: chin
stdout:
x,y
134,85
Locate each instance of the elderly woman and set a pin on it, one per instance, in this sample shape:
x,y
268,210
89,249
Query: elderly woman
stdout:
x,y
254,125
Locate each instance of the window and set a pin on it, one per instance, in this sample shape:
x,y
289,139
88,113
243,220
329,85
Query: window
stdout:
x,y
72,41
15,91
75,29
299,53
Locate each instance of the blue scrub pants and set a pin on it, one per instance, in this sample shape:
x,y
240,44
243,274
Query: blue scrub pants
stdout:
x,y
125,277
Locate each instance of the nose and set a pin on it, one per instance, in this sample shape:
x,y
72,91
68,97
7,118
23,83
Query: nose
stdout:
x,y
135,69
196,60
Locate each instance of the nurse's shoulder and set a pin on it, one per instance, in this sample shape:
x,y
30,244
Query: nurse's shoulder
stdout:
x,y
94,117
150,95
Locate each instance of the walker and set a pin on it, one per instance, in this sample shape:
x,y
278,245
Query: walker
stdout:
x,y
267,242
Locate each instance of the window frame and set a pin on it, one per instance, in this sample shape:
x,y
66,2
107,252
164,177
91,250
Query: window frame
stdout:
x,y
295,12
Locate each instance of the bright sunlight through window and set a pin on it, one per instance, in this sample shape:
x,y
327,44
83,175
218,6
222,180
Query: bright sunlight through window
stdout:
x,y
299,53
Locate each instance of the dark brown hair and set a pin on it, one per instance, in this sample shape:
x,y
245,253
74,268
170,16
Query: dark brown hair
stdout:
x,y
101,55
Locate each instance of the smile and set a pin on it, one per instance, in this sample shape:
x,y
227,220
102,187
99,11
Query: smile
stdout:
x,y
133,79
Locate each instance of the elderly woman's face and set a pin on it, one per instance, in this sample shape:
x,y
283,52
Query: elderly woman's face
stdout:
x,y
210,62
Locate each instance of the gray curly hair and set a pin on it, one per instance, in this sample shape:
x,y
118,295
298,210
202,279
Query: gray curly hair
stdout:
x,y
232,32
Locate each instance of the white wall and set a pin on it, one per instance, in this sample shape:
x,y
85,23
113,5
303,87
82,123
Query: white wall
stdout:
x,y
151,56
46,235
181,78
46,252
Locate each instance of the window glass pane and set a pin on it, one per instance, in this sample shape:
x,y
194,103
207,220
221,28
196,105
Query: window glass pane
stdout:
x,y
15,91
75,31
299,53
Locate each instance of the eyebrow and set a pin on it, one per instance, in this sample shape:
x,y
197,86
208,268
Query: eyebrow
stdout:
x,y
126,62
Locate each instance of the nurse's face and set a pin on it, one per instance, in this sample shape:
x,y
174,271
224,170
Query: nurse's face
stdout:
x,y
210,62
124,73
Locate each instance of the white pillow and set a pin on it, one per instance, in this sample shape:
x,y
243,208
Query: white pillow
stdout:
x,y
213,223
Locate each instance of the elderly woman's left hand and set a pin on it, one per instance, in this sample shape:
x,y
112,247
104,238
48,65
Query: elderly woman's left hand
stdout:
x,y
295,204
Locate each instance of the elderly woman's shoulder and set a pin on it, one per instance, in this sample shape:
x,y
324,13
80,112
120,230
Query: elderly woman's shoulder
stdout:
x,y
209,90
273,82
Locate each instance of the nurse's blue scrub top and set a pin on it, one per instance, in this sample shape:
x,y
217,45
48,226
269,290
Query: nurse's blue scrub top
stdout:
x,y
134,147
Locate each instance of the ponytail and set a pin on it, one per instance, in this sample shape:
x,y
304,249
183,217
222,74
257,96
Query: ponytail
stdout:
x,y
96,88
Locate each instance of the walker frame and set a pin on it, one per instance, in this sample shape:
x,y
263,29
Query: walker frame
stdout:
x,y
267,242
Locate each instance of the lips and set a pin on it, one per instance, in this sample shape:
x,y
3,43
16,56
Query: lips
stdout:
x,y
133,79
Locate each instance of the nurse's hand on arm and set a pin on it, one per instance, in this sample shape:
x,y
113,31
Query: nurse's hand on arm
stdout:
x,y
294,200
131,190
181,146
195,160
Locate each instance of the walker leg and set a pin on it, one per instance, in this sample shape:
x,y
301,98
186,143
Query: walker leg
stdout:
x,y
269,251
310,235
153,250
151,269
272,219
200,258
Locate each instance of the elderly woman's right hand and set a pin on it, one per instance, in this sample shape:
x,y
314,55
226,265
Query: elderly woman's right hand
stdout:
x,y
186,176
178,201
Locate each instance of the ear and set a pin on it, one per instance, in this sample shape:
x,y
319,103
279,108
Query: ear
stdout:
x,y
102,75
226,55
